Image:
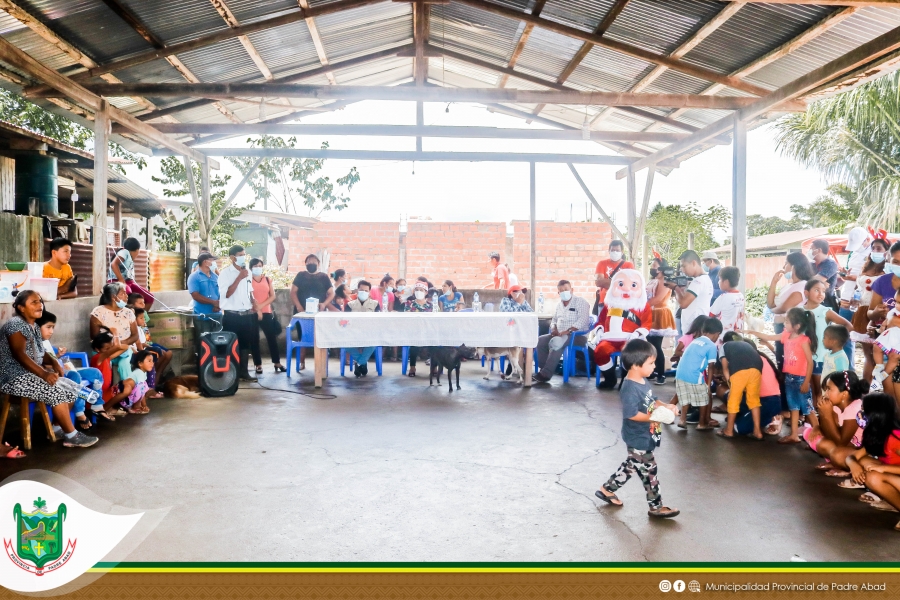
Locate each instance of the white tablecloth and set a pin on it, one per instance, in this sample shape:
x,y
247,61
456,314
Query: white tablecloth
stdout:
x,y
350,330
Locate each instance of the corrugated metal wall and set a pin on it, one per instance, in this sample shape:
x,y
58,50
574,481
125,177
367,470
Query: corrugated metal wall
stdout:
x,y
166,271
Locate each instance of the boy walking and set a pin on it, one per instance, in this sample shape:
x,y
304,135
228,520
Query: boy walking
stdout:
x,y
691,381
640,432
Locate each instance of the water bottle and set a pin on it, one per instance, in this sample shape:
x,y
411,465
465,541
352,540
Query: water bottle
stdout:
x,y
541,303
88,394
476,305
854,303
434,302
384,301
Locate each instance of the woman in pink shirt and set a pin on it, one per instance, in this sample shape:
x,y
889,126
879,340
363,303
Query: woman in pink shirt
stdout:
x,y
264,294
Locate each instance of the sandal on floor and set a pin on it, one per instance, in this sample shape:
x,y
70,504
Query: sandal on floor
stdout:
x,y
721,433
259,370
156,395
849,484
714,423
412,372
825,466
774,428
612,499
787,440
13,452
664,512
83,424
868,498
882,505
117,413
280,369
104,415
837,473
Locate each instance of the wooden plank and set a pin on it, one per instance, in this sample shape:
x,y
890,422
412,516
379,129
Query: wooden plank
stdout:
x,y
520,44
630,209
317,41
321,360
428,94
870,51
221,36
420,37
8,184
529,365
413,131
222,8
101,140
621,47
587,159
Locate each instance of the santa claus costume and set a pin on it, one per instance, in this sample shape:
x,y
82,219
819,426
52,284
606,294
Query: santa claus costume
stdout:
x,y
625,316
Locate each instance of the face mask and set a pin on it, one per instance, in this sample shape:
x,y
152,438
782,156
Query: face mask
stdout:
x,y
654,273
877,257
120,303
420,295
788,275
565,296
312,267
363,296
240,260
257,271
810,255
892,269
705,269
615,255
389,289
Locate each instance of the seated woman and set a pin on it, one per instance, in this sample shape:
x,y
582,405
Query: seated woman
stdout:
x,y
876,465
838,434
341,298
22,371
450,300
113,315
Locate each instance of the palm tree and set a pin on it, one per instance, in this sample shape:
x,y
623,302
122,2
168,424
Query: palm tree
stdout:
x,y
853,139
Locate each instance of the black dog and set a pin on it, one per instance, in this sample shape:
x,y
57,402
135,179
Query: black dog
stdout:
x,y
448,357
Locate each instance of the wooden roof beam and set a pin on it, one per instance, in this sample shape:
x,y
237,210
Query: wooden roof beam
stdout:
x,y
523,39
222,8
317,41
15,57
871,51
427,94
622,47
420,39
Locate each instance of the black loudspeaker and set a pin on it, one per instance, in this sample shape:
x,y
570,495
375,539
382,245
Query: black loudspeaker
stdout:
x,y
220,361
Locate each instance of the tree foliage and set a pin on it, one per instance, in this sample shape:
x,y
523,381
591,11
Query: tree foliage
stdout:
x,y
25,114
839,207
292,184
853,139
669,226
175,185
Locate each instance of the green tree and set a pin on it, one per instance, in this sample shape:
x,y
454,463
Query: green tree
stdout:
x,y
292,184
25,114
838,207
759,225
175,185
853,139
669,226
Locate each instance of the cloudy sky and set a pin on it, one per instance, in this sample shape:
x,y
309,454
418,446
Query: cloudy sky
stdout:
x,y
499,191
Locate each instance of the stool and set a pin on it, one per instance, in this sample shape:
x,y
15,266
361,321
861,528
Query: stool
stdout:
x,y
25,412
614,357
378,355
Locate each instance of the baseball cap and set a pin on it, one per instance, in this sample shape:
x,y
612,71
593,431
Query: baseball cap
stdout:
x,y
709,255
515,288
855,239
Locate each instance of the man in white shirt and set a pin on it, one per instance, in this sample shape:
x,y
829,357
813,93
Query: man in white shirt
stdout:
x,y
729,306
696,297
236,301
572,314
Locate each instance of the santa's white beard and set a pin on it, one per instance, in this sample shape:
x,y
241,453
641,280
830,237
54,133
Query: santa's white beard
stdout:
x,y
637,302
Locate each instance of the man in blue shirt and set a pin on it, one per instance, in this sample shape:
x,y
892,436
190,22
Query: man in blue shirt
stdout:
x,y
203,286
713,266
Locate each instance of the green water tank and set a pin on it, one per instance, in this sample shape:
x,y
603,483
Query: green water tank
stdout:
x,y
36,178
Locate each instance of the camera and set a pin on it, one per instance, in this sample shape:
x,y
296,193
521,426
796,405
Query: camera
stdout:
x,y
672,275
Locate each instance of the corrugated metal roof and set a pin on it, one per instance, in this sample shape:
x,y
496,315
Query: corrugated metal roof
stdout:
x,y
653,25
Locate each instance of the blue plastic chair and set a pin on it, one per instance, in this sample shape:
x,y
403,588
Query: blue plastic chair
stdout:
x,y
502,363
617,365
82,356
378,354
307,340
405,360
569,353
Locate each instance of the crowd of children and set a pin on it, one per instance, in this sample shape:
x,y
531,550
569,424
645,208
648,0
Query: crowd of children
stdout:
x,y
813,389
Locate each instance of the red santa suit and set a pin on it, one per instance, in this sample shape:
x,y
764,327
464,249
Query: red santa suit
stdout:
x,y
625,315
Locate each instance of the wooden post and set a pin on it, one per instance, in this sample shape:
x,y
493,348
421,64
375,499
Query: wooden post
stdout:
x,y
117,217
101,139
529,366
321,360
645,257
185,251
205,201
739,201
8,184
532,245
631,209
690,242
149,228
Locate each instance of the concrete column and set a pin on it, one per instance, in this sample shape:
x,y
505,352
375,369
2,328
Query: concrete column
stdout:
x,y
739,200
532,246
420,122
101,139
205,200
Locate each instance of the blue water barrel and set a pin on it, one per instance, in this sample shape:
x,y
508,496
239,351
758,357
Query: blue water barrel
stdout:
x,y
36,177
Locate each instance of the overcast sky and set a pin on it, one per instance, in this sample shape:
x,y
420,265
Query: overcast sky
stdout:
x,y
499,191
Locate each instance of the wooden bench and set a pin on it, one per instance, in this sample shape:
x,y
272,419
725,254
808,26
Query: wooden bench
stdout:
x,y
24,416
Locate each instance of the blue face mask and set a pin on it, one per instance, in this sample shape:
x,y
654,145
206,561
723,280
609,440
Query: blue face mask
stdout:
x,y
705,269
877,257
788,275
892,269
565,296
120,303
240,261
257,271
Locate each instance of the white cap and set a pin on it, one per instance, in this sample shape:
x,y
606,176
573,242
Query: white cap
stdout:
x,y
855,239
709,255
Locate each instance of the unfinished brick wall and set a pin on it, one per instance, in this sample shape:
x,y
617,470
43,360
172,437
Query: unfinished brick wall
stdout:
x,y
459,251
366,250
455,251
563,251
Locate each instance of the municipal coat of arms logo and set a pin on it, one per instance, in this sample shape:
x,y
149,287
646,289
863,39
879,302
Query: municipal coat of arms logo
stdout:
x,y
39,539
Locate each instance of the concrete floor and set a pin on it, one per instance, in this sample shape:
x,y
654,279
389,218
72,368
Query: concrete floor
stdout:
x,y
392,470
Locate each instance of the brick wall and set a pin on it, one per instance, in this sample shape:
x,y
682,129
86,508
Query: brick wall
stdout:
x,y
459,251
563,251
362,249
455,251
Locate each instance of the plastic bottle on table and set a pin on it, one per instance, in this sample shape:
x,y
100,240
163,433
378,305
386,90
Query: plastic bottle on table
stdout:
x,y
541,303
476,305
434,302
384,301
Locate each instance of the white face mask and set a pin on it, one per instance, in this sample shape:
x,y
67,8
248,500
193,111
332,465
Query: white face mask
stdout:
x,y
389,289
257,271
565,296
420,295
811,255
240,260
615,255
363,296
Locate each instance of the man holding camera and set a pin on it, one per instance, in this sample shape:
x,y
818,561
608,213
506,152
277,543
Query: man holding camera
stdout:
x,y
693,288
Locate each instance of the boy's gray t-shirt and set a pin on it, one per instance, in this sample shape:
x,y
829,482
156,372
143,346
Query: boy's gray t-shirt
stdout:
x,y
638,398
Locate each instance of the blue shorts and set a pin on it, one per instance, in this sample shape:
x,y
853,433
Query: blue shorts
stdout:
x,y
817,368
159,348
797,400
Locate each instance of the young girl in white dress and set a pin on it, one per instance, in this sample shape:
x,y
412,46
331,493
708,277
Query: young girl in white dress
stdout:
x,y
888,344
